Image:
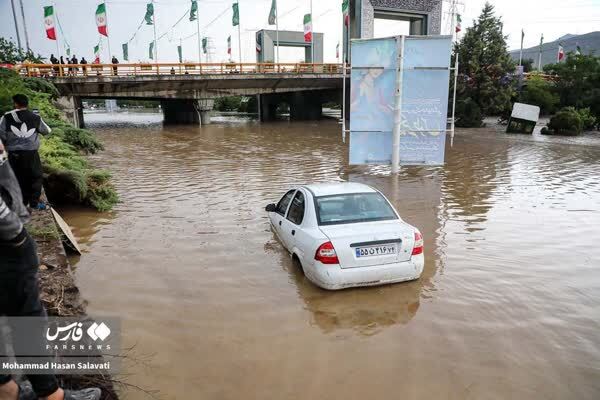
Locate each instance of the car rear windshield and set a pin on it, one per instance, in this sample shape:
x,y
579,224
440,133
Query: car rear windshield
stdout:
x,y
355,207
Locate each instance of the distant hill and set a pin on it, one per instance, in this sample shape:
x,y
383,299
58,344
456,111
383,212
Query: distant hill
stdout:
x,y
589,43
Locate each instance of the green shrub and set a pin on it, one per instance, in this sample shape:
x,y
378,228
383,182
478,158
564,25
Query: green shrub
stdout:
x,y
469,114
589,121
565,122
540,93
68,177
42,86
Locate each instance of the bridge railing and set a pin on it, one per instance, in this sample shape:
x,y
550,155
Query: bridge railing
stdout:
x,y
141,69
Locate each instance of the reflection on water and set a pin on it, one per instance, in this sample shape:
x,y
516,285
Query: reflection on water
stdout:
x,y
507,306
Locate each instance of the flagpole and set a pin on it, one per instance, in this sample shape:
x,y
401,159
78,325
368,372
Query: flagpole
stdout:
x,y
239,34
16,24
24,25
199,38
277,29
58,55
107,33
540,53
521,51
312,35
155,41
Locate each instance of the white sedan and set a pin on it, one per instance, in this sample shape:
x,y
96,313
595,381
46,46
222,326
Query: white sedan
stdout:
x,y
346,235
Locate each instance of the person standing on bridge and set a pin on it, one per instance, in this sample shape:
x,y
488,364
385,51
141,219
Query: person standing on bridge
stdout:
x,y
62,62
19,292
54,61
74,61
83,63
20,130
115,61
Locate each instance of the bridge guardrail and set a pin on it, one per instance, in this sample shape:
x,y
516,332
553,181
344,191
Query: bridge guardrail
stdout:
x,y
141,69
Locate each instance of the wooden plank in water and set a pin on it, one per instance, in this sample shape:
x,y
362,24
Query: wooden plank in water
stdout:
x,y
70,238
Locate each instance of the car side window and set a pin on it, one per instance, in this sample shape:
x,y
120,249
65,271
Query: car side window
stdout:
x,y
283,203
296,213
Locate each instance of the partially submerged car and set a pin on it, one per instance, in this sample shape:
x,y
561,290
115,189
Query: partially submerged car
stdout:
x,y
347,235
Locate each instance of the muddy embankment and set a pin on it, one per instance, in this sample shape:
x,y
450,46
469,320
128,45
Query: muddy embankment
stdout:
x,y
59,293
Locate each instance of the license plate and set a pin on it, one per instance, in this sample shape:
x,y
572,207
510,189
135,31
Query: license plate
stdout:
x,y
374,251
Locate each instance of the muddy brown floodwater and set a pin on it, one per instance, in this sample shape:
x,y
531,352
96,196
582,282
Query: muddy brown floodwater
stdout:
x,y
508,306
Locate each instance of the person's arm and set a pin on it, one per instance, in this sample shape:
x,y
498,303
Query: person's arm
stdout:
x,y
3,129
11,227
44,129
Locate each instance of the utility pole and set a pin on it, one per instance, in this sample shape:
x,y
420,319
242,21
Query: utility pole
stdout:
x,y
24,25
12,2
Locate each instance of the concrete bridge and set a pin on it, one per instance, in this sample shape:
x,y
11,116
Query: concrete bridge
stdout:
x,y
187,91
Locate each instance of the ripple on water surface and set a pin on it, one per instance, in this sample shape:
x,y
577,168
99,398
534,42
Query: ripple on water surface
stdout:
x,y
507,306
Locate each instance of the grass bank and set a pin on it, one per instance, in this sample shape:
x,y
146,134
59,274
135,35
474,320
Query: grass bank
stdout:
x,y
68,176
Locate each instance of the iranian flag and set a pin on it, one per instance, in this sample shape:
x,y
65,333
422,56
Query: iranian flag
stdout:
x,y
561,53
97,54
458,23
101,19
307,28
346,12
49,22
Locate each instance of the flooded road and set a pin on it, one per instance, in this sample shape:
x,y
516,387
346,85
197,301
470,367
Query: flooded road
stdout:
x,y
508,305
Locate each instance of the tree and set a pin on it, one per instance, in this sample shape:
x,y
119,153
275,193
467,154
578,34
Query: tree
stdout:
x,y
527,65
540,92
578,82
484,70
11,54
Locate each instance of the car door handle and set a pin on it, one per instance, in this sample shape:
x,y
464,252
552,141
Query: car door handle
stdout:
x,y
293,232
279,223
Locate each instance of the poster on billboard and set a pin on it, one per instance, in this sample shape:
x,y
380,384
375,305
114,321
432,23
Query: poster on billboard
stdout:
x,y
424,81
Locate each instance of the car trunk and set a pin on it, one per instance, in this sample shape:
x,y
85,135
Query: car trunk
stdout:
x,y
373,239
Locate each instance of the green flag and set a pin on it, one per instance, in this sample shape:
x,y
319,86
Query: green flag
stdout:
x,y
68,51
194,11
180,53
273,12
204,44
97,54
126,51
151,51
149,17
236,14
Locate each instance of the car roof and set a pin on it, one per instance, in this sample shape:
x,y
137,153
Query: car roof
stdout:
x,y
328,189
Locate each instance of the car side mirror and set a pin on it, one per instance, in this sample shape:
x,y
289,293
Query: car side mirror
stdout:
x,y
271,208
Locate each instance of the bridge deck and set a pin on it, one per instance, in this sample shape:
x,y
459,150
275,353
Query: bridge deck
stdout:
x,y
90,70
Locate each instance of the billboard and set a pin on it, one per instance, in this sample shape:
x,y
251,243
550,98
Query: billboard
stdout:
x,y
425,74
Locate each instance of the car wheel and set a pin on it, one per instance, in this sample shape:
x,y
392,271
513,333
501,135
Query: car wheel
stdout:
x,y
297,262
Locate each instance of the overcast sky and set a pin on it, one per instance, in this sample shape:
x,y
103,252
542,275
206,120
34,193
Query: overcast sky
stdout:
x,y
554,18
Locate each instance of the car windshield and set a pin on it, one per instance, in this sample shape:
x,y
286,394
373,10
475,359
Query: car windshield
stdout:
x,y
355,207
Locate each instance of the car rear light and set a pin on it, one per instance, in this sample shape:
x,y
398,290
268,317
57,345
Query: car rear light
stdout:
x,y
418,247
326,254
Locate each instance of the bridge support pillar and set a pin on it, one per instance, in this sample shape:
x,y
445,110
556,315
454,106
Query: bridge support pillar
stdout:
x,y
180,111
205,107
73,108
267,107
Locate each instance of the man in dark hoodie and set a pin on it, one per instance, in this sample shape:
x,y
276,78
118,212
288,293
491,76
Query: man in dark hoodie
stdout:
x,y
20,131
19,293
